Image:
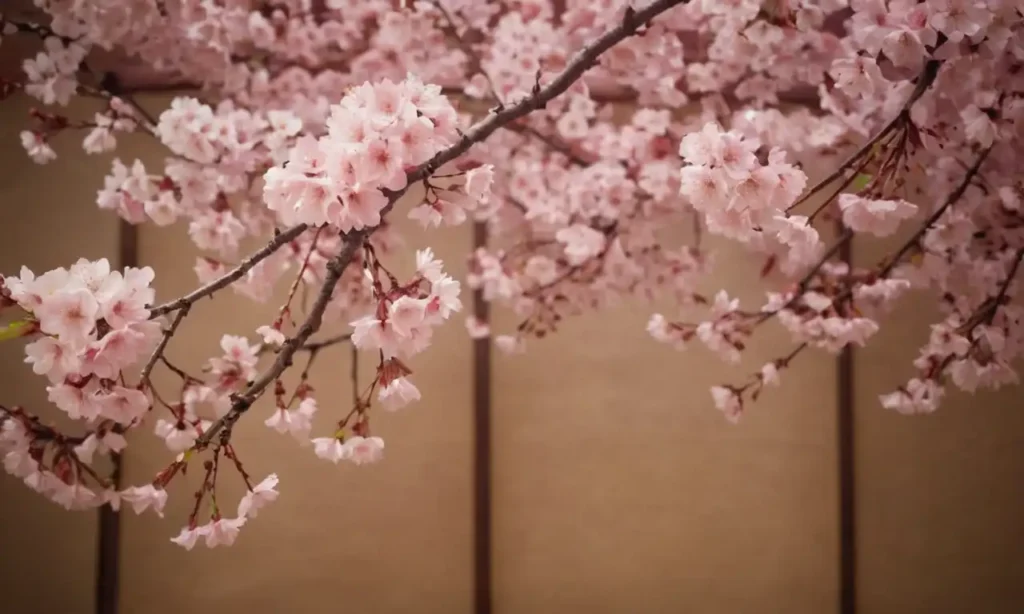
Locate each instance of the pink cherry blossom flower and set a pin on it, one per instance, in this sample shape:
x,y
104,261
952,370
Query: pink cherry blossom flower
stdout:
x,y
188,537
978,126
222,531
37,148
70,315
958,18
123,405
510,344
177,435
878,217
478,182
857,76
727,402
331,448
398,393
51,358
271,336
406,314
297,421
428,266
259,497
581,243
476,328
364,450
145,497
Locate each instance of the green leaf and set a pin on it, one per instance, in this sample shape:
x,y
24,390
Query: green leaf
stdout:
x,y
16,329
860,182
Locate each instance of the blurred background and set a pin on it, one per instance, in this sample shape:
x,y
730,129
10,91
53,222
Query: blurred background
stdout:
x,y
615,484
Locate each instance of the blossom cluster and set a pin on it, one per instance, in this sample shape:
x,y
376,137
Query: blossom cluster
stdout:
x,y
374,135
93,323
89,325
788,128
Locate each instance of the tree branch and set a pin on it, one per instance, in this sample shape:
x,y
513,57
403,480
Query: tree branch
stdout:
x,y
241,402
956,195
164,340
583,61
631,22
228,278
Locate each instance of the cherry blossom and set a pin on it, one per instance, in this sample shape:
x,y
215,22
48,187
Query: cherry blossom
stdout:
x,y
593,162
364,450
262,494
146,497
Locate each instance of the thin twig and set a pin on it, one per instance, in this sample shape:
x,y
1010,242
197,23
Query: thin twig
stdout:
x,y
467,48
282,238
934,217
581,62
927,78
242,402
354,374
315,346
164,340
550,141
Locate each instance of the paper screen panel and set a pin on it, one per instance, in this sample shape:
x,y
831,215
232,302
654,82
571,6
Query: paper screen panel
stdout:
x,y
49,219
620,488
386,538
939,501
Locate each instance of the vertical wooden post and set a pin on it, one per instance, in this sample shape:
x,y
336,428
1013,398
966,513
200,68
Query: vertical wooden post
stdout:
x,y
846,461
108,550
482,597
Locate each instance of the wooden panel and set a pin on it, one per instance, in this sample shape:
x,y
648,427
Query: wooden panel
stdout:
x,y
49,219
620,488
393,537
939,498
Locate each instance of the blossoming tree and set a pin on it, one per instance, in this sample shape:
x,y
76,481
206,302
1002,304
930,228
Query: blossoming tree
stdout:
x,y
312,123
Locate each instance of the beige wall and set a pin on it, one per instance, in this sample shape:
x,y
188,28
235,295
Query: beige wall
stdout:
x,y
38,540
617,486
393,537
939,497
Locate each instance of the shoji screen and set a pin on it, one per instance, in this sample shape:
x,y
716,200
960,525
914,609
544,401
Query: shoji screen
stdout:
x,y
387,538
620,488
48,218
940,504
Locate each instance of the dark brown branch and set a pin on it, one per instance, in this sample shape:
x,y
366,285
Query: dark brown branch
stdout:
x,y
227,279
316,346
242,402
164,340
581,62
631,22
956,195
925,81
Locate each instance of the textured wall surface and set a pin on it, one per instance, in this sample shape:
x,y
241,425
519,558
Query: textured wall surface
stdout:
x,y
44,224
939,498
619,487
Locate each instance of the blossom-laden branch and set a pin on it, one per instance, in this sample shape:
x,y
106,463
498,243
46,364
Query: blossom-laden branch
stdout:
x,y
105,321
280,239
576,191
631,21
242,402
